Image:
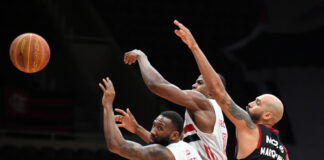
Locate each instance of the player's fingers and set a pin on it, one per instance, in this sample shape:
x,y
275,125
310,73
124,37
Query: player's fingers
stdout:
x,y
121,125
176,22
129,112
130,61
182,33
105,82
121,111
109,82
181,26
177,33
118,118
125,59
102,87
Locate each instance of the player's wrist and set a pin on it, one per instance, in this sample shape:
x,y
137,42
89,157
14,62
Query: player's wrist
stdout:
x,y
194,46
107,106
141,56
138,129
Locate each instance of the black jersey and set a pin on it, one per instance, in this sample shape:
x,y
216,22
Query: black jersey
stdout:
x,y
269,145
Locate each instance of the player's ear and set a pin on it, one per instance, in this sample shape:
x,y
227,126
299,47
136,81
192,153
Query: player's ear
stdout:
x,y
267,116
174,135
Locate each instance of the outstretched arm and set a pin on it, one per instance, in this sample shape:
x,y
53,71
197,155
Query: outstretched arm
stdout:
x,y
128,121
115,141
161,87
236,114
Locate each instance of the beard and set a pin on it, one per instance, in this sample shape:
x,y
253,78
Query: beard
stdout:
x,y
254,116
163,141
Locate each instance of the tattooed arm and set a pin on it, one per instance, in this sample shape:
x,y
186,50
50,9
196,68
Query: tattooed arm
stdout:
x,y
132,150
115,141
236,114
128,149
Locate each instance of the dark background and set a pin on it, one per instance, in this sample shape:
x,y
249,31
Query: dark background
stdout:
x,y
260,46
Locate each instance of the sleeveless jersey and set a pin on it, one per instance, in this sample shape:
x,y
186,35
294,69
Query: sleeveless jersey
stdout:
x,y
269,145
183,151
210,146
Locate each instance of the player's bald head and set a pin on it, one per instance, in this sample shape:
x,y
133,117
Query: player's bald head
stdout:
x,y
273,105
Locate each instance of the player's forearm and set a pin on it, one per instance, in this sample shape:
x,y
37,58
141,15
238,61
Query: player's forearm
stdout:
x,y
211,78
237,115
151,76
143,134
113,137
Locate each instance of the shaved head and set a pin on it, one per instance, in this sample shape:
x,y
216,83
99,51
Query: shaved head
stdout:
x,y
273,105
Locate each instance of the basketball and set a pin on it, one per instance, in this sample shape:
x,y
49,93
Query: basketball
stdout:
x,y
29,53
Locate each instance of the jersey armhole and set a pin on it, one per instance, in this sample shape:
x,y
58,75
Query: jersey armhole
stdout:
x,y
260,136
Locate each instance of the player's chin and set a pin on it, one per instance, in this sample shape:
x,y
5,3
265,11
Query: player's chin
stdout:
x,y
152,140
247,108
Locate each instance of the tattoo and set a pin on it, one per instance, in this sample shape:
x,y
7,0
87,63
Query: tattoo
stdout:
x,y
132,150
237,112
157,152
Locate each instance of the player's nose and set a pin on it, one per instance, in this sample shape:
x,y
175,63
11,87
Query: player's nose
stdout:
x,y
194,86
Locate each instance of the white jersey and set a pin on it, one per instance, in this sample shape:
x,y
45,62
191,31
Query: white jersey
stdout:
x,y
183,151
210,146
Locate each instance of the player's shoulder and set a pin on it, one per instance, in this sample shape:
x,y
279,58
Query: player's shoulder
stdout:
x,y
200,99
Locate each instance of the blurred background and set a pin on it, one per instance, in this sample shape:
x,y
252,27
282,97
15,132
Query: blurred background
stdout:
x,y
259,46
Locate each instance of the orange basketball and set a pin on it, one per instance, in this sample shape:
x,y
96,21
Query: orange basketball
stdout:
x,y
29,52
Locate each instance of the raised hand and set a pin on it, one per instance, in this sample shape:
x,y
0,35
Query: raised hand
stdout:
x,y
126,120
131,56
108,92
185,34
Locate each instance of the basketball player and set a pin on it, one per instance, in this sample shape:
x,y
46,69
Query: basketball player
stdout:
x,y
204,126
256,139
164,137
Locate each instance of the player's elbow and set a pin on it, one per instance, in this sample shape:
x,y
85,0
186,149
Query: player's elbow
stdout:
x,y
113,148
152,86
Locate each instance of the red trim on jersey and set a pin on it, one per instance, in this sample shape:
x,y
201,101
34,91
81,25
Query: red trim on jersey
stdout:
x,y
260,137
286,153
272,129
189,128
